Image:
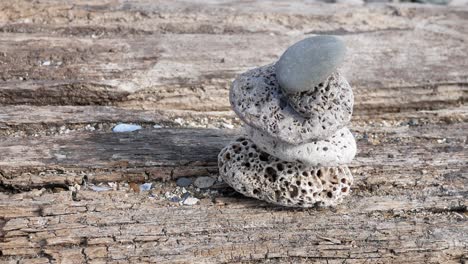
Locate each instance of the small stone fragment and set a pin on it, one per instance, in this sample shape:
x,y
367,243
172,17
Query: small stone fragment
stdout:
x,y
190,201
204,182
184,182
145,186
175,199
309,62
100,188
121,128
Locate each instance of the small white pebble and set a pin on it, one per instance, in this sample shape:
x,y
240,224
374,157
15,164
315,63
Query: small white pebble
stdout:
x,y
190,201
46,63
120,128
179,121
145,186
228,126
60,156
99,188
157,126
113,185
89,128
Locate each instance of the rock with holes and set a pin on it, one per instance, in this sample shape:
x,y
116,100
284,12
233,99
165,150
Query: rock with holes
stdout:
x,y
339,149
257,174
256,98
334,93
309,62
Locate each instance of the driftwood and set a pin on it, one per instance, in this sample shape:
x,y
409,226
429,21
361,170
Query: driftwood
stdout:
x,y
70,71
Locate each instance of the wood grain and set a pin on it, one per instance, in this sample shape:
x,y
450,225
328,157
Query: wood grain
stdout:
x,y
183,56
71,70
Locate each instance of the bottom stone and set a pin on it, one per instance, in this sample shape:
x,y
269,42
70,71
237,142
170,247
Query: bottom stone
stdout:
x,y
257,174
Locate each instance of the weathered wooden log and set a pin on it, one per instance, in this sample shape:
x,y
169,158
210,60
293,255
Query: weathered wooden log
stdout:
x,y
71,70
159,56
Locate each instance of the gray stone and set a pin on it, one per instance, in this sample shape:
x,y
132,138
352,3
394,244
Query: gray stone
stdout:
x,y
183,182
309,62
256,98
339,149
190,201
330,94
204,182
257,174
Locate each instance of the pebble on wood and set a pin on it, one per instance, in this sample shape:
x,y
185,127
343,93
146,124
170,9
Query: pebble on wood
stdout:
x,y
146,186
309,62
184,182
204,182
120,128
100,188
190,201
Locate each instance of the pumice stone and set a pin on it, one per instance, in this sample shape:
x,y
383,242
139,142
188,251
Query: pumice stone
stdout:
x,y
333,93
339,149
256,98
257,174
309,62
297,145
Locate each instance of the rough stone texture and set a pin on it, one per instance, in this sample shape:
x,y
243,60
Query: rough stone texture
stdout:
x,y
339,149
309,62
405,63
256,98
334,93
257,174
204,182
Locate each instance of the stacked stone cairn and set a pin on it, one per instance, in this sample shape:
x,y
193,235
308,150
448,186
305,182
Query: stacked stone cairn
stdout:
x,y
295,114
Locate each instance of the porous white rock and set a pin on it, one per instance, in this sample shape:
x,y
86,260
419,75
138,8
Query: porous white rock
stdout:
x,y
339,149
257,174
256,98
330,94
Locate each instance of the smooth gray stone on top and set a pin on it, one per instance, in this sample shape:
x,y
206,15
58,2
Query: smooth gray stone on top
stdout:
x,y
309,62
